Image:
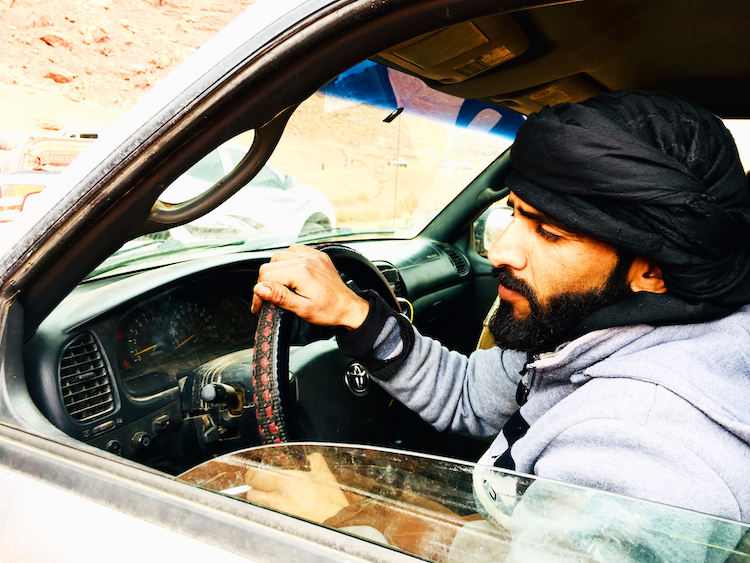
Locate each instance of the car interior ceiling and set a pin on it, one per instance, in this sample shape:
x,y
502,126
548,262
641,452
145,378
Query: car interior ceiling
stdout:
x,y
564,52
571,51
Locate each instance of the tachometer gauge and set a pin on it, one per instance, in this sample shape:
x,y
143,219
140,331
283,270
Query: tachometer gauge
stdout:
x,y
236,322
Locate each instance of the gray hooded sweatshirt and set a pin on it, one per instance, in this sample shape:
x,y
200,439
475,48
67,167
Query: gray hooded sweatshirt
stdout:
x,y
656,413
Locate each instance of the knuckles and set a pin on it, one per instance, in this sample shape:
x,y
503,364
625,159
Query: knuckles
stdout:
x,y
278,295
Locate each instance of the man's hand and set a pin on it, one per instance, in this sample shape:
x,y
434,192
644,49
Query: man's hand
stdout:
x,y
313,495
305,282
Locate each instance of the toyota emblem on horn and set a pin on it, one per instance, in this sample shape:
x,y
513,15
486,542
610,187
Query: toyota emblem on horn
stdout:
x,y
357,379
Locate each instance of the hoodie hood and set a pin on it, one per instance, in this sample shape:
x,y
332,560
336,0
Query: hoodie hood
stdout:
x,y
706,364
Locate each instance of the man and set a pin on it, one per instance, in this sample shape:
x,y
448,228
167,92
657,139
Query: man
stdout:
x,y
623,358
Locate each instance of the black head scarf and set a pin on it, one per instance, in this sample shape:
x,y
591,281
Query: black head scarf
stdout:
x,y
651,174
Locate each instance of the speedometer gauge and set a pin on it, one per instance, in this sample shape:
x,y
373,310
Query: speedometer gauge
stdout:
x,y
196,326
156,337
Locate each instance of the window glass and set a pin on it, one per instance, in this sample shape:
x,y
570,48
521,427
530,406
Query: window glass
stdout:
x,y
488,226
740,129
455,511
208,169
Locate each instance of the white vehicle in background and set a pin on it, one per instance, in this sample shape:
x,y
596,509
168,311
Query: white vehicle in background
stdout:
x,y
270,204
270,201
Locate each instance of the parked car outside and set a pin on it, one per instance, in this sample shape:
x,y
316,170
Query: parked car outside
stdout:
x,y
83,131
127,377
260,205
34,152
270,200
29,164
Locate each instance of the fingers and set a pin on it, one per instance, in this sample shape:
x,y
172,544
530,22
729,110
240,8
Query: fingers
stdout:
x,y
266,291
276,293
298,255
306,282
319,468
275,501
314,495
273,480
267,480
281,272
257,303
294,251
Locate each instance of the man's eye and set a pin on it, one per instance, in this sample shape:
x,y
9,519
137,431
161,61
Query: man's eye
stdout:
x,y
546,234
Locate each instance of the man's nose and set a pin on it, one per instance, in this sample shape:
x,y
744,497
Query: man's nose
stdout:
x,y
509,248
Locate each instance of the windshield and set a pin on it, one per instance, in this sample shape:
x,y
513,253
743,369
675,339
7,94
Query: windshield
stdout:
x,y
375,153
445,510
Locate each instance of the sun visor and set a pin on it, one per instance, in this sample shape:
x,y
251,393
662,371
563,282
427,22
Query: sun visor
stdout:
x,y
576,88
461,51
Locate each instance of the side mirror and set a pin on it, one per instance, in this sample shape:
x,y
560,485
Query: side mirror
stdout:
x,y
489,225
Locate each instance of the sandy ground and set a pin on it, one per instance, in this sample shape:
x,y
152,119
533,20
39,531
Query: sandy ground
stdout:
x,y
34,111
86,61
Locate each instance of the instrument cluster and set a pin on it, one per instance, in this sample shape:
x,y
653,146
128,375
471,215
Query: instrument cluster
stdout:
x,y
160,340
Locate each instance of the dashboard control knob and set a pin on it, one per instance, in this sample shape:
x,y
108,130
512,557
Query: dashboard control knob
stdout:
x,y
210,435
114,447
140,441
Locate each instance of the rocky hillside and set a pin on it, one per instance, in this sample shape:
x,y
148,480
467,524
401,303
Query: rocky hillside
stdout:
x,y
57,55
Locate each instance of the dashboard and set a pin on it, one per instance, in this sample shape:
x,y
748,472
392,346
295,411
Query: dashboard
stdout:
x,y
121,362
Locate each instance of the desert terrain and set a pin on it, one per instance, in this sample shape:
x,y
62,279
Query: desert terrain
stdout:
x,y
86,61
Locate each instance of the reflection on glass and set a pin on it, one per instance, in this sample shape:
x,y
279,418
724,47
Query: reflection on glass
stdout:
x,y
447,510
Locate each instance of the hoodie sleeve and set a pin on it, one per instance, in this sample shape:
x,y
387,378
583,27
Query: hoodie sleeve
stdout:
x,y
474,393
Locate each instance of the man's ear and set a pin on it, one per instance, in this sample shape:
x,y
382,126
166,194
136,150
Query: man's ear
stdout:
x,y
645,275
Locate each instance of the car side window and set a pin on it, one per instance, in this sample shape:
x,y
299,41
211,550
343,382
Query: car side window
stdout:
x,y
440,509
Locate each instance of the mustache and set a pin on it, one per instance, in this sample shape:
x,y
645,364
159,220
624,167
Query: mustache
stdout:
x,y
507,279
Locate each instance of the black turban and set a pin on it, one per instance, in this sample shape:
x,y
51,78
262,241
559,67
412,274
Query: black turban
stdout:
x,y
648,173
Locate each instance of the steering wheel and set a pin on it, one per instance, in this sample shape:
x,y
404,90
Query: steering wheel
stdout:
x,y
273,394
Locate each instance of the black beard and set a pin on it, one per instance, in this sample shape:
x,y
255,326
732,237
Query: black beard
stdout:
x,y
543,330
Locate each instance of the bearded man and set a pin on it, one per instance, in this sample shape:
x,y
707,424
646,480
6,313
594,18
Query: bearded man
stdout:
x,y
623,334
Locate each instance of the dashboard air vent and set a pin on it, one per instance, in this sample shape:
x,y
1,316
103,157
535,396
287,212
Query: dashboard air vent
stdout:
x,y
85,380
461,263
394,278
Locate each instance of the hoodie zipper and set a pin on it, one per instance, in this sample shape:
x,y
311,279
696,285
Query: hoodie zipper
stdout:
x,y
528,374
